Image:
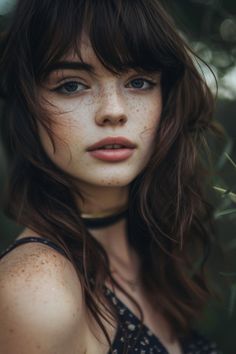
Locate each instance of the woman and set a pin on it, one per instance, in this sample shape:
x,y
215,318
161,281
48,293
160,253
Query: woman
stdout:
x,y
108,255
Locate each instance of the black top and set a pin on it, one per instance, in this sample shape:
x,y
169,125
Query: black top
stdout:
x,y
130,334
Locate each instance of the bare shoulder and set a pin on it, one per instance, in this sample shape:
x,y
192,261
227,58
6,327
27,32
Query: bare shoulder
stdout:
x,y
40,297
36,263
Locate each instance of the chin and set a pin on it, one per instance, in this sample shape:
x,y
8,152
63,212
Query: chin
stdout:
x,y
107,181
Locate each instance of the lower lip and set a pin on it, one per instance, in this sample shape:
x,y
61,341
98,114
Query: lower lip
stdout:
x,y
112,154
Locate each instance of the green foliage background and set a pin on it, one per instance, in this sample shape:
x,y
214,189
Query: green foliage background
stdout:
x,y
210,28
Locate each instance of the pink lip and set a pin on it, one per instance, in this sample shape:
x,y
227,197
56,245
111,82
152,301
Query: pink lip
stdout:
x,y
112,154
119,140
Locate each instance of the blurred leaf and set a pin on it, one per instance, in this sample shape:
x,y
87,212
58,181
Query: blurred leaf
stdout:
x,y
218,214
230,160
225,193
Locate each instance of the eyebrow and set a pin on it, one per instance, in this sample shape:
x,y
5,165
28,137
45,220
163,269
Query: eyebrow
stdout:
x,y
82,66
70,65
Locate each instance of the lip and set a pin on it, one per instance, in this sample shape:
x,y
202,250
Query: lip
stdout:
x,y
112,155
119,140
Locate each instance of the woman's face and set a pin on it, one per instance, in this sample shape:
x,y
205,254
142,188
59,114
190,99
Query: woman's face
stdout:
x,y
86,107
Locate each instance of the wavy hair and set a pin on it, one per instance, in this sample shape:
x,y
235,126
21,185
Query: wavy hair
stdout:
x,y
170,222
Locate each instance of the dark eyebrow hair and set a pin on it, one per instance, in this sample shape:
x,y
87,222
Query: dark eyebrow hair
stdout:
x,y
71,65
82,66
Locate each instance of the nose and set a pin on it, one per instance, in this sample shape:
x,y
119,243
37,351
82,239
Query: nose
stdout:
x,y
111,109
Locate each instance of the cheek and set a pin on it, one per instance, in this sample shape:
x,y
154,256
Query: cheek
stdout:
x,y
70,135
148,116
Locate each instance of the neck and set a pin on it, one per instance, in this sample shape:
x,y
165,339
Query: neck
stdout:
x,y
102,200
113,238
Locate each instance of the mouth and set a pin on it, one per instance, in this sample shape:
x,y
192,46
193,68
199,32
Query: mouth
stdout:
x,y
112,154
112,147
112,143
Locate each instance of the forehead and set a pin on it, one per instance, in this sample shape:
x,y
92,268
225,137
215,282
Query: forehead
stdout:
x,y
85,49
86,54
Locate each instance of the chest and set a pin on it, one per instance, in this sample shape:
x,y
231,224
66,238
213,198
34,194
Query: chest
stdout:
x,y
155,327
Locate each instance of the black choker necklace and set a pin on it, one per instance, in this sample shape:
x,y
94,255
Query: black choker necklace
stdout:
x,y
94,222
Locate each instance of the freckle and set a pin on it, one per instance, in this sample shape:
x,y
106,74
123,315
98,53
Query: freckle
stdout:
x,y
38,346
11,330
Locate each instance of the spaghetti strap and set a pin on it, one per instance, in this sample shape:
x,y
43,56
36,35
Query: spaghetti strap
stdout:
x,y
33,239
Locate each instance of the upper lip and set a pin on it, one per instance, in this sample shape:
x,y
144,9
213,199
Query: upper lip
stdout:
x,y
119,140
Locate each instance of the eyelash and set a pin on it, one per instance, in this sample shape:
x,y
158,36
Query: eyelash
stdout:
x,y
60,88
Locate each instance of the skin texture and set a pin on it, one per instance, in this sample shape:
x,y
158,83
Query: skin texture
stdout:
x,y
40,302
102,105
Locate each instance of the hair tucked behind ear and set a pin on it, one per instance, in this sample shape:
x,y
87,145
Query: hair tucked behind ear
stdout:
x,y
170,223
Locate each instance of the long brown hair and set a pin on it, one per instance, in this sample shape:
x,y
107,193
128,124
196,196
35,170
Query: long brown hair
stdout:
x,y
170,222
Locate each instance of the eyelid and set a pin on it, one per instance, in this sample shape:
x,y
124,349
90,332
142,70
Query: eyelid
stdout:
x,y
147,74
142,76
66,79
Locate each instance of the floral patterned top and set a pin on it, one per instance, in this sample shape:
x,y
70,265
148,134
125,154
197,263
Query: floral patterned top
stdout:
x,y
146,342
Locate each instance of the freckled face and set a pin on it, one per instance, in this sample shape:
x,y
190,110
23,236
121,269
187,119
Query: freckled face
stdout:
x,y
86,107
